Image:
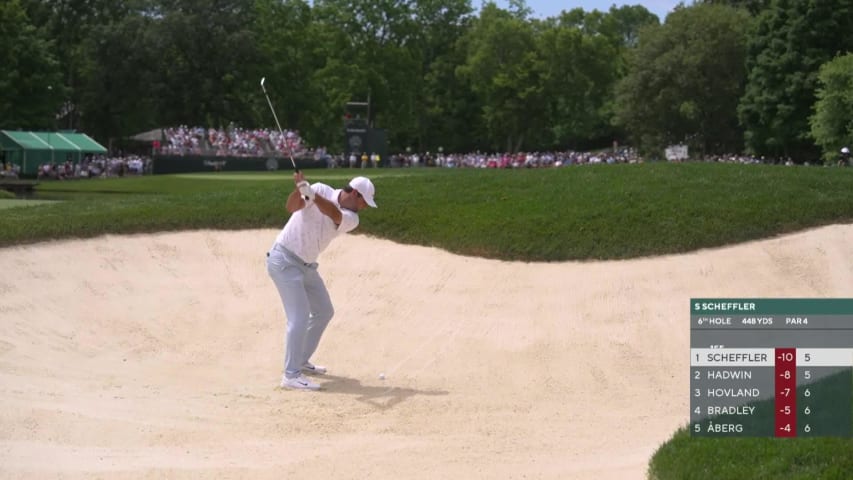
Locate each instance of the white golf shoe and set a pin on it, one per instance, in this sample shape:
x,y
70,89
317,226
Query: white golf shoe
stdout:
x,y
299,383
312,369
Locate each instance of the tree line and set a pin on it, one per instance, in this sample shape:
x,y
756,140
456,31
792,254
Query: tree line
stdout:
x,y
769,77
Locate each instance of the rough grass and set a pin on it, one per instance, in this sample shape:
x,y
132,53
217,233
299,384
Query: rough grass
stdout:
x,y
591,212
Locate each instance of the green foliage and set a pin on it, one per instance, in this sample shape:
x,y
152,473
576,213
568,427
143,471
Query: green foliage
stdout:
x,y
592,212
30,79
284,35
69,24
584,56
753,6
623,24
685,80
684,457
519,9
792,40
504,70
547,84
437,74
117,96
446,112
832,123
380,40
205,49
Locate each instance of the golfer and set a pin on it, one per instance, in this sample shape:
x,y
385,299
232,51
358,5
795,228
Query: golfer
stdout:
x,y
319,213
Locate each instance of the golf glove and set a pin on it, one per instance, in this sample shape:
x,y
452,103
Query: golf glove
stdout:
x,y
305,190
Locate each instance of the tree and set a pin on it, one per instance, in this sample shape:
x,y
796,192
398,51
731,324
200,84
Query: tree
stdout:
x,y
378,44
207,68
30,80
69,24
792,40
444,105
623,24
753,6
287,59
832,122
504,70
685,79
116,93
519,9
584,57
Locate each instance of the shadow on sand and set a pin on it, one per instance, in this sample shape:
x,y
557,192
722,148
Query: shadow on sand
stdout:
x,y
381,396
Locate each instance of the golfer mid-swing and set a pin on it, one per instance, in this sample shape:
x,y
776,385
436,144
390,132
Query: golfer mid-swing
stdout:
x,y
319,213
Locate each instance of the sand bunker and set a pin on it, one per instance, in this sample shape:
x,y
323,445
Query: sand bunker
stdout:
x,y
158,356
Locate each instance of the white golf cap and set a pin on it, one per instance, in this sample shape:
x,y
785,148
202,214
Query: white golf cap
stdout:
x,y
845,150
365,188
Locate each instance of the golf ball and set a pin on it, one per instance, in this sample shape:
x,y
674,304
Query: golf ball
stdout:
x,y
381,376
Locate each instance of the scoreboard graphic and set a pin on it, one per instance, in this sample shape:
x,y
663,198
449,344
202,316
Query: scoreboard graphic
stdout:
x,y
771,367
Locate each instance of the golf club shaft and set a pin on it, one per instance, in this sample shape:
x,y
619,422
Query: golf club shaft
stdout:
x,y
280,131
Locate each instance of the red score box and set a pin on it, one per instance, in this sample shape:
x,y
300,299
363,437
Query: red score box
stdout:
x,y
786,392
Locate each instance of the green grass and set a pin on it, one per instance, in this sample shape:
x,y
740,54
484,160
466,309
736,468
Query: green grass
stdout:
x,y
827,457
591,212
15,203
687,458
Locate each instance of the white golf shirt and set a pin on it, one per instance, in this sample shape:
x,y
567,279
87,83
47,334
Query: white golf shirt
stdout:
x,y
309,231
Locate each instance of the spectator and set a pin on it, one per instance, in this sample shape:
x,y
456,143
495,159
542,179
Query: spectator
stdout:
x,y
10,170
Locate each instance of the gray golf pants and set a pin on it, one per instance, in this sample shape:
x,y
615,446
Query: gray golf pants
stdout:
x,y
306,304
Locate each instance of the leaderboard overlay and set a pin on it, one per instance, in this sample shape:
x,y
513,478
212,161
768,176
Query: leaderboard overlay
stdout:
x,y
771,367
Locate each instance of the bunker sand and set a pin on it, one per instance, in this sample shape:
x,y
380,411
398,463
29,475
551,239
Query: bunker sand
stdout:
x,y
158,356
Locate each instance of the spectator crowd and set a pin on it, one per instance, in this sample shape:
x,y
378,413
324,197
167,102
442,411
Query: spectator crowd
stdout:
x,y
232,141
492,160
240,142
235,141
98,166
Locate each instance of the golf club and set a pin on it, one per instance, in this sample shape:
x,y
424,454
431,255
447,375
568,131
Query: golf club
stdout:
x,y
280,131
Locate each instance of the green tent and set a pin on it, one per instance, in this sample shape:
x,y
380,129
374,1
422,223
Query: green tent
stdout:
x,y
31,149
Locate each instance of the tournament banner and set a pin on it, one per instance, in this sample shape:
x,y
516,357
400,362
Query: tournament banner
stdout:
x,y
356,141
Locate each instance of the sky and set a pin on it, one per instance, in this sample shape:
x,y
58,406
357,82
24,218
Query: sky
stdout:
x,y
552,8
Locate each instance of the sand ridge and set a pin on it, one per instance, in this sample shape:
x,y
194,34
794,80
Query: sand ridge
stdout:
x,y
158,356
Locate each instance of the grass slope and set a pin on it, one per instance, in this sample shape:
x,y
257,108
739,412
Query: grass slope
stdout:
x,y
686,458
592,212
825,456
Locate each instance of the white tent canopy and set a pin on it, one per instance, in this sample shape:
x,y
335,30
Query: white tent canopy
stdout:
x,y
149,136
